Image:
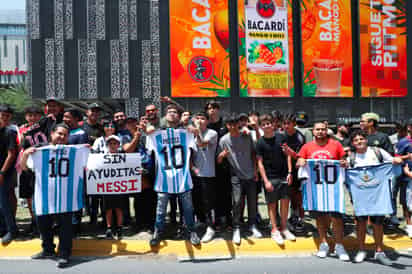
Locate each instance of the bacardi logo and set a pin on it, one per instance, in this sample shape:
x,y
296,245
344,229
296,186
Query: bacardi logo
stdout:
x,y
265,8
200,69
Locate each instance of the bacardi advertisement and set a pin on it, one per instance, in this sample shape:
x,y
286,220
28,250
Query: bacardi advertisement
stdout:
x,y
327,48
383,48
264,66
199,42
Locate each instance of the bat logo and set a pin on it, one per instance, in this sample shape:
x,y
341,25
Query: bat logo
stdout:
x,y
200,69
265,8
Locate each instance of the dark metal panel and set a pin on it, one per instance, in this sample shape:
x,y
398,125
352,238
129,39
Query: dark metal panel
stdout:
x,y
103,69
46,19
38,71
72,69
80,19
112,19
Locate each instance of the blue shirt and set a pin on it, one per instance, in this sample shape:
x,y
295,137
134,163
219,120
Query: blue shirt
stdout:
x,y
78,137
403,147
370,187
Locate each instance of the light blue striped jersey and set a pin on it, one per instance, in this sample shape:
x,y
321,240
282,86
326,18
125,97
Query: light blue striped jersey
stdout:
x,y
172,148
370,187
59,180
322,186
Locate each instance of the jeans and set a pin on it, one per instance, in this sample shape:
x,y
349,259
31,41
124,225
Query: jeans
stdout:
x,y
204,198
45,223
8,223
240,188
185,199
145,208
395,190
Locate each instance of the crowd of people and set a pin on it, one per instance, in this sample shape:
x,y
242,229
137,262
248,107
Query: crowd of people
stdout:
x,y
232,160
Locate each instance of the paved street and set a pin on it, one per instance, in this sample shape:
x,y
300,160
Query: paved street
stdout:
x,y
402,264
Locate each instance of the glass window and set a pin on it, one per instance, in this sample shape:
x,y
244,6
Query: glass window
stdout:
x,y
5,45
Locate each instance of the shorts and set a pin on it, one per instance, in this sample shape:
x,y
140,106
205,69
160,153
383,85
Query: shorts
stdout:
x,y
280,191
317,214
376,220
26,186
114,201
403,185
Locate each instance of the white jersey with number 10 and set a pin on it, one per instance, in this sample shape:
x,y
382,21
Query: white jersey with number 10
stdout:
x,y
322,187
172,152
59,178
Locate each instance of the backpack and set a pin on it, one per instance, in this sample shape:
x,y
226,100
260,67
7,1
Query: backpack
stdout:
x,y
376,150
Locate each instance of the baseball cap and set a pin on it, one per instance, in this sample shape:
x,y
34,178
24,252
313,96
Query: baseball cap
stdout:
x,y
242,116
6,108
301,117
52,99
94,105
131,119
32,109
112,137
370,116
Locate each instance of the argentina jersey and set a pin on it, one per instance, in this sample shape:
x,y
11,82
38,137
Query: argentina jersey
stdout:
x,y
322,186
59,177
370,187
172,153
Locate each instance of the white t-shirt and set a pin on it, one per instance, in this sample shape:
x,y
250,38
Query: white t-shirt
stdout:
x,y
370,158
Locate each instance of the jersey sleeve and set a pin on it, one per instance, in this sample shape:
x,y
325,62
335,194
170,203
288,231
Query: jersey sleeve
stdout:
x,y
30,162
190,140
149,143
303,172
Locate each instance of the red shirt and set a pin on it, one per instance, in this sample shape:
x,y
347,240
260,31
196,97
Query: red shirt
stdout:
x,y
332,150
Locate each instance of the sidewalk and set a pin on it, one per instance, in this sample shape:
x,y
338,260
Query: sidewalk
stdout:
x,y
184,250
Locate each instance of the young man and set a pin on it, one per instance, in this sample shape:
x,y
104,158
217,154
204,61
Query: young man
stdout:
x,y
32,115
365,155
172,148
294,140
223,204
276,171
204,184
69,171
369,123
8,154
239,150
54,115
185,120
342,133
323,147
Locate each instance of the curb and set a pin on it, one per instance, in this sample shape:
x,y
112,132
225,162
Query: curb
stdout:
x,y
184,250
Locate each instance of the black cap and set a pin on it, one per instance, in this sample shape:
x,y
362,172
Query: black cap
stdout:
x,y
131,119
94,105
33,109
54,99
301,117
6,108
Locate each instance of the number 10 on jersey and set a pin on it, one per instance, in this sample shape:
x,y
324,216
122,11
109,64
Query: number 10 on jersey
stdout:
x,y
174,157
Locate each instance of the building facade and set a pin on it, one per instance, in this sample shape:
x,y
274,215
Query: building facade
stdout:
x,y
13,47
121,49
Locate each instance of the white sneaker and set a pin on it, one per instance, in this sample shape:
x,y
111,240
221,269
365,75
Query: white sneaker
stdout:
x,y
210,232
255,232
341,253
323,250
409,230
360,256
277,237
236,236
288,235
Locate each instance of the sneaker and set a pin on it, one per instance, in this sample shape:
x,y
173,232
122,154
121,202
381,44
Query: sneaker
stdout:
x,y
194,239
109,233
323,250
288,235
360,256
119,233
62,262
381,257
395,220
236,236
341,253
409,230
43,255
255,232
277,237
7,238
155,239
210,233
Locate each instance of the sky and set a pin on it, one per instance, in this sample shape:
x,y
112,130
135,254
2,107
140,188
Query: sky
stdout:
x,y
12,4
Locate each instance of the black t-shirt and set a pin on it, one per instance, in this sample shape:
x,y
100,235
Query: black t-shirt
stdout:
x,y
93,131
219,127
295,141
274,160
35,136
7,142
380,139
47,123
